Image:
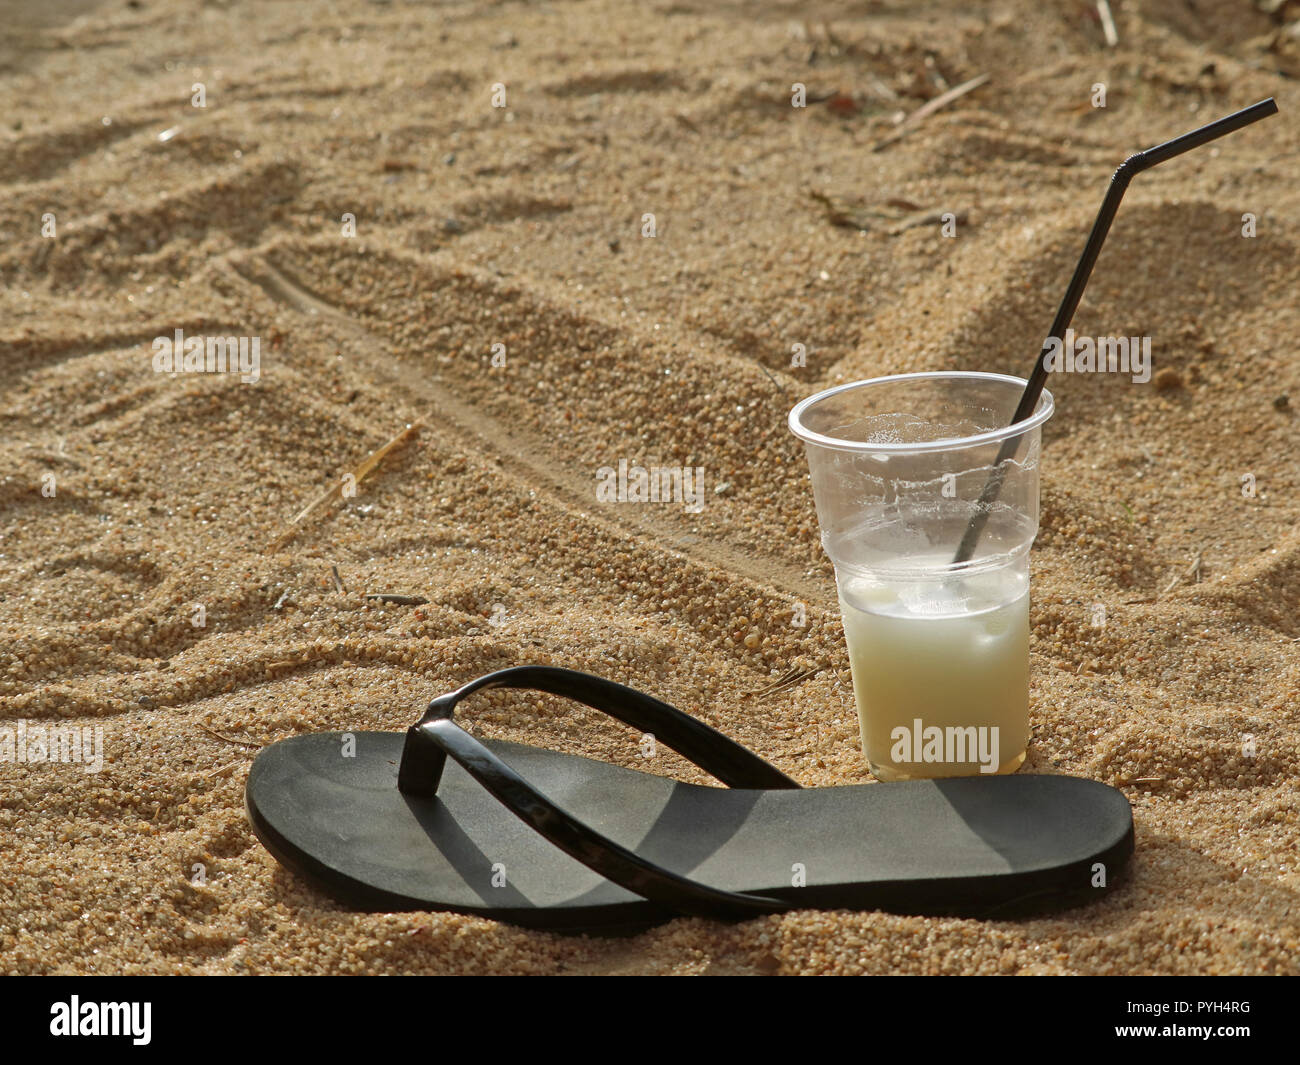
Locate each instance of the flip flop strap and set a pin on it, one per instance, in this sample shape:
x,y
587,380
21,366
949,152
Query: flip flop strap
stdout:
x,y
436,736
579,840
734,765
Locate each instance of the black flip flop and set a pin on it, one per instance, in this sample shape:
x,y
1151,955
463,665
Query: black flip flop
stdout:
x,y
384,821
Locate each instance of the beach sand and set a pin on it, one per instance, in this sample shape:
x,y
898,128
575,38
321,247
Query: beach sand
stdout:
x,y
151,582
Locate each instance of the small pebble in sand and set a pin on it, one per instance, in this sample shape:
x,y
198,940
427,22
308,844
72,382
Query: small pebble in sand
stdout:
x,y
1168,380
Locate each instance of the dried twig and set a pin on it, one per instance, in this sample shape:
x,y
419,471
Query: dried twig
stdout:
x,y
338,581
892,216
1194,570
929,108
1107,23
358,473
926,218
230,739
772,379
784,678
788,681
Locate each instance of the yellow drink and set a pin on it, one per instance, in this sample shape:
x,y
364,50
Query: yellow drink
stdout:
x,y
940,669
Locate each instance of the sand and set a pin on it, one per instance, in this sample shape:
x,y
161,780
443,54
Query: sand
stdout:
x,y
1173,504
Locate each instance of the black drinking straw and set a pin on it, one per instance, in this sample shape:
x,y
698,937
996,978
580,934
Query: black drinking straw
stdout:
x,y
1134,164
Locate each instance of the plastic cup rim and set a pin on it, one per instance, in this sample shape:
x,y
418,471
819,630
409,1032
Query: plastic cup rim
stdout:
x,y
1041,413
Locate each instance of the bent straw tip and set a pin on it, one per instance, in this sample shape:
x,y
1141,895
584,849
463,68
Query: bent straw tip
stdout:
x,y
1261,109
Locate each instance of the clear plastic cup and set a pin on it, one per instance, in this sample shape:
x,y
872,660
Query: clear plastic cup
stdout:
x,y
939,650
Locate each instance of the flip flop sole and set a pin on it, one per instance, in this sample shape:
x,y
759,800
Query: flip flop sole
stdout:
x,y
972,847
